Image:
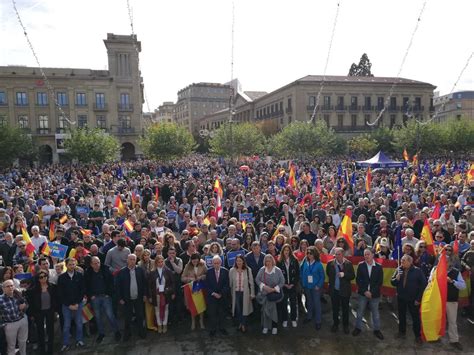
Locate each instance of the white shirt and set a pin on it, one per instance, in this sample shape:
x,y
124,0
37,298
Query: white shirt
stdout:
x,y
38,241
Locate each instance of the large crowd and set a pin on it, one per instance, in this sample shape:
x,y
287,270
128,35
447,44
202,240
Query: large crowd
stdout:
x,y
255,245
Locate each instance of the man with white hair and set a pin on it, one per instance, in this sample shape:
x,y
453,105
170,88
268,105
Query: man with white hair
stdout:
x,y
37,239
409,238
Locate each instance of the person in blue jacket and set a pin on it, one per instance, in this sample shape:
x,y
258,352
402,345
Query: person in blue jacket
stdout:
x,y
312,280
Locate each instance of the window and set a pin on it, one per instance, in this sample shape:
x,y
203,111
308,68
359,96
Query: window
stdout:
x,y
380,103
3,120
100,100
125,101
81,99
417,103
21,98
340,120
367,118
3,98
62,98
326,119
289,103
312,101
289,119
125,122
63,124
82,121
281,106
406,103
23,121
327,102
42,99
101,122
353,102
340,102
43,124
393,103
353,120
368,102
392,120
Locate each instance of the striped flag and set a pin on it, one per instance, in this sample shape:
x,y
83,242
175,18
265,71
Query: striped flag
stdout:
x,y
427,236
292,177
52,230
128,226
118,204
46,250
87,313
405,155
433,302
345,229
195,301
368,180
30,248
157,194
63,219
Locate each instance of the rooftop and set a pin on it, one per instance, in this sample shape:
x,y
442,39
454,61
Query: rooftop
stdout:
x,y
359,79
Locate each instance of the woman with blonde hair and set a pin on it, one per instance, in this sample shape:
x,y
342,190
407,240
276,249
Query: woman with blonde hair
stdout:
x,y
195,270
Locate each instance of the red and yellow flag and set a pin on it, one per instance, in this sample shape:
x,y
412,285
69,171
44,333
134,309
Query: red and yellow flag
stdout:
x,y
194,300
30,248
128,226
157,194
52,230
427,236
413,179
406,157
218,188
118,204
345,229
368,180
433,302
63,219
415,159
46,250
292,177
470,174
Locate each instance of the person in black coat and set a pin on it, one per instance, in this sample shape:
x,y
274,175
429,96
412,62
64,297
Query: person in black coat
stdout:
x,y
131,288
369,281
99,290
410,283
71,294
43,302
217,280
340,272
291,271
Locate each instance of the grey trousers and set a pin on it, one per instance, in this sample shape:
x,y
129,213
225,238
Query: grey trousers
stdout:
x,y
17,331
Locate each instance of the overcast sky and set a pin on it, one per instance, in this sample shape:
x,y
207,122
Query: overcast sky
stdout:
x,y
276,42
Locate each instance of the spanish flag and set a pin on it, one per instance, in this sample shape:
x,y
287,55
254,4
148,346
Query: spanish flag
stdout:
x,y
195,301
30,248
218,188
46,250
415,160
427,236
292,177
63,219
206,220
345,229
413,179
368,180
433,302
244,225
86,232
405,155
128,226
118,204
157,194
436,211
87,313
52,230
470,174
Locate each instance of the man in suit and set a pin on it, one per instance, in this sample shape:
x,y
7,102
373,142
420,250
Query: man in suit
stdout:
x,y
369,281
340,272
131,289
217,280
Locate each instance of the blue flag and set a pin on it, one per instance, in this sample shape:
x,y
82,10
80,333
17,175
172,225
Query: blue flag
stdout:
x,y
353,179
246,181
272,190
397,251
443,170
282,182
339,170
314,176
400,181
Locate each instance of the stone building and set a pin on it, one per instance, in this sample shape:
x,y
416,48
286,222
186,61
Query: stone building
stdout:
x,y
456,105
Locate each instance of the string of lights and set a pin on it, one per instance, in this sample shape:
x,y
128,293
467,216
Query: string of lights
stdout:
x,y
135,45
441,107
394,84
43,74
326,65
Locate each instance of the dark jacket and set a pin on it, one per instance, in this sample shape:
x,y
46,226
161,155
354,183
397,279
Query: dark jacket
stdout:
x,y
375,280
170,288
254,266
220,286
103,275
34,299
122,283
414,286
71,290
293,271
345,289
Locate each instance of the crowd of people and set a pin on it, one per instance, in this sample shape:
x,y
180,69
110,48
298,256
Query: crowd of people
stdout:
x,y
137,232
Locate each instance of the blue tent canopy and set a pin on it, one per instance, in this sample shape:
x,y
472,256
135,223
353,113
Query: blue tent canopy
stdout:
x,y
380,160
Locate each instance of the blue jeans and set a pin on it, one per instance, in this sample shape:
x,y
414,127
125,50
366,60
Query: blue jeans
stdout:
x,y
104,303
374,310
68,317
239,308
313,303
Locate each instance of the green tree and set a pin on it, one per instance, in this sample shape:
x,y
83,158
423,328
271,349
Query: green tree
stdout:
x,y
235,139
15,144
361,69
301,140
362,145
384,138
458,135
92,145
428,137
167,141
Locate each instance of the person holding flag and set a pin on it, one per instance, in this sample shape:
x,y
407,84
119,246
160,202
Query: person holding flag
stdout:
x,y
410,283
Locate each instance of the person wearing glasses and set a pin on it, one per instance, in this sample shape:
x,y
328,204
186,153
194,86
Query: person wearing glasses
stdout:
x,y
312,280
424,260
43,302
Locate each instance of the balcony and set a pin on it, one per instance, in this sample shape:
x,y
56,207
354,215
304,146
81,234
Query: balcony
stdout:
x,y
368,108
26,130
42,131
289,110
341,108
122,130
21,104
101,107
418,108
125,107
327,108
62,130
42,105
354,108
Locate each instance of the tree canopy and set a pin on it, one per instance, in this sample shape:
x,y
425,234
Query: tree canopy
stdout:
x,y
236,139
167,141
361,69
15,144
92,146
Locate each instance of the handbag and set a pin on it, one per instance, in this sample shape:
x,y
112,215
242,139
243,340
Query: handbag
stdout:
x,y
273,296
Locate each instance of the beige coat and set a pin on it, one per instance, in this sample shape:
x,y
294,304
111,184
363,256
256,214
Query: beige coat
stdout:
x,y
188,272
247,279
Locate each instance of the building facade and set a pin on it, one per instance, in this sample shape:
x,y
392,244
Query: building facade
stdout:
x,y
345,104
108,99
198,100
455,105
165,113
